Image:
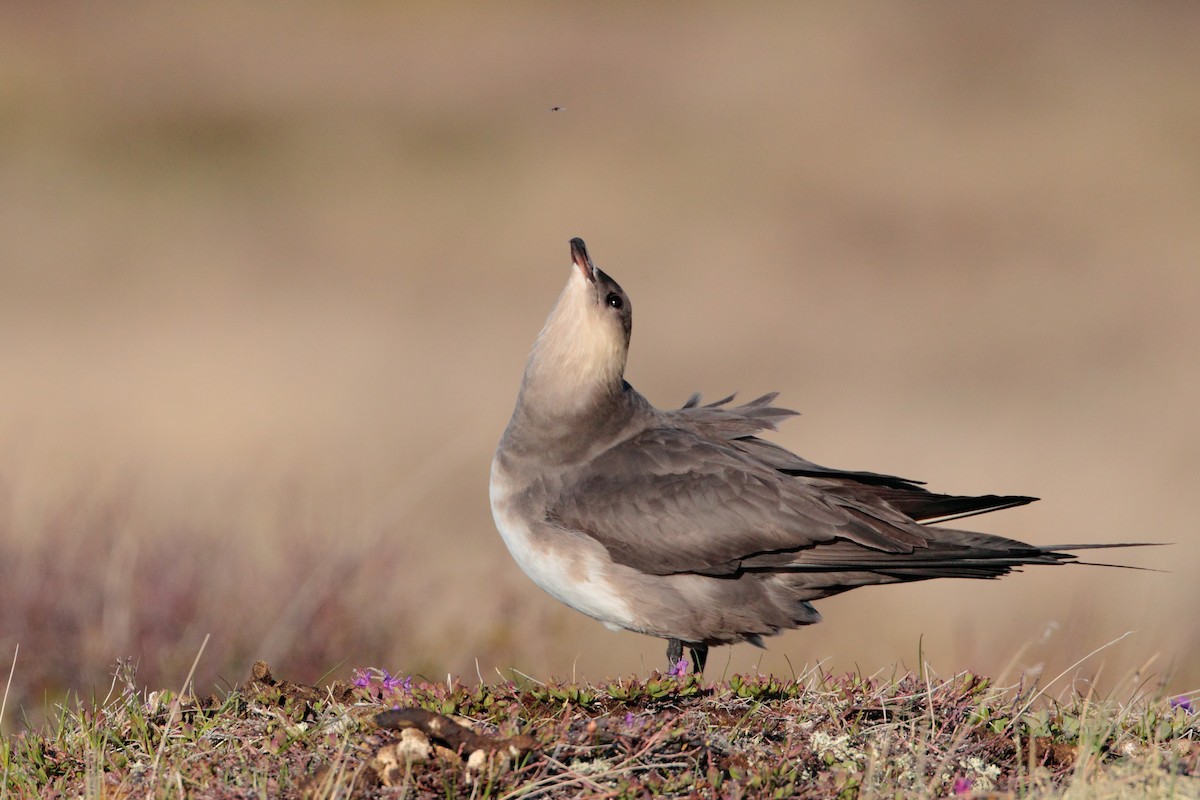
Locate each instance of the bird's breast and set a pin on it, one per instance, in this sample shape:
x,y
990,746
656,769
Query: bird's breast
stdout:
x,y
567,565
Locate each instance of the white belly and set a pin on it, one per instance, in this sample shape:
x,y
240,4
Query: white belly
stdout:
x,y
569,567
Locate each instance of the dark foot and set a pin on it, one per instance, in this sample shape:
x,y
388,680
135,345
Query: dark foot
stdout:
x,y
699,657
675,654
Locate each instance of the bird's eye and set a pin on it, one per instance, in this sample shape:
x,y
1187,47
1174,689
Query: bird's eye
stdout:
x,y
614,300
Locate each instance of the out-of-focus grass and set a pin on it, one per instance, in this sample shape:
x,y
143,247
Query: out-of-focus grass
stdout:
x,y
267,281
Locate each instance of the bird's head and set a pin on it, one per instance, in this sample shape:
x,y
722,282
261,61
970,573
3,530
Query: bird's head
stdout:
x,y
579,357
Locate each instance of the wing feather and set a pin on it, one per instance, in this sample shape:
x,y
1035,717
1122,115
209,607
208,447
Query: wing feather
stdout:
x,y
670,500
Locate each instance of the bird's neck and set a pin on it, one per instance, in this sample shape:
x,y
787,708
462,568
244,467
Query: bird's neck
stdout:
x,y
575,356
573,395
550,418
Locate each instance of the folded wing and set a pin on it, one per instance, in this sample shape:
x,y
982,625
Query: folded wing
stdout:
x,y
702,494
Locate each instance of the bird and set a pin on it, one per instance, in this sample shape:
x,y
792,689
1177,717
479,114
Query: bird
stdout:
x,y
685,524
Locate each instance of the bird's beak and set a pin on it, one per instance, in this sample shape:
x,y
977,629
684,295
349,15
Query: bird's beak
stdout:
x,y
579,255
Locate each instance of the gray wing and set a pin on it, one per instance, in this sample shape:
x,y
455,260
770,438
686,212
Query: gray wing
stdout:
x,y
671,500
737,425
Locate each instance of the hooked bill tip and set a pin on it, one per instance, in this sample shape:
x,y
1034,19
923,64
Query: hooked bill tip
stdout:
x,y
579,255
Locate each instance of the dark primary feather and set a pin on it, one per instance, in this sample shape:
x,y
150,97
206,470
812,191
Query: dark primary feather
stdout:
x,y
737,425
701,493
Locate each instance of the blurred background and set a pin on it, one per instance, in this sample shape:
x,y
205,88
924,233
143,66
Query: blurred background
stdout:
x,y
269,274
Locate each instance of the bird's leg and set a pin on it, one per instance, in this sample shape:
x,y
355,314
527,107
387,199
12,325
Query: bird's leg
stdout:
x,y
699,654
674,652
699,657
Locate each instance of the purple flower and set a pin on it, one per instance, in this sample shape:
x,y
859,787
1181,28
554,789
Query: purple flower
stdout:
x,y
962,785
680,668
630,719
1184,702
394,683
365,679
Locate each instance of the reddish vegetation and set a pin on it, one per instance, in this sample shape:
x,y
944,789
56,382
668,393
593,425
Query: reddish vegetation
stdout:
x,y
827,736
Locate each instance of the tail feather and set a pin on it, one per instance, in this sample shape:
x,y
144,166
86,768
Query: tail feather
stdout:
x,y
1102,546
974,556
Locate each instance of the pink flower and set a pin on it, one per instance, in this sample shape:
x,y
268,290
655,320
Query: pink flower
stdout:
x,y
394,683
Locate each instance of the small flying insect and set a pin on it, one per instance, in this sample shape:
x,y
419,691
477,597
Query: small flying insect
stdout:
x,y
558,108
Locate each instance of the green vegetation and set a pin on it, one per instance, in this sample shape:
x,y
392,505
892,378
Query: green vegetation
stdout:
x,y
821,735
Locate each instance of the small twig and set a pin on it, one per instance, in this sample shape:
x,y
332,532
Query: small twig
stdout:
x,y
11,671
526,677
3,705
579,777
1008,728
552,782
162,743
